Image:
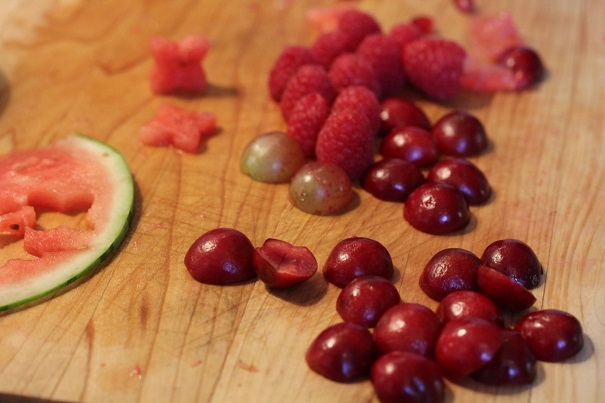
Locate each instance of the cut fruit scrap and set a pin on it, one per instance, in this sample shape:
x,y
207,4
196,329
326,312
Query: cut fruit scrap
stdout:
x,y
73,175
178,64
326,19
175,126
492,35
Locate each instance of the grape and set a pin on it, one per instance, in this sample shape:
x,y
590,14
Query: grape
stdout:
x,y
321,188
272,157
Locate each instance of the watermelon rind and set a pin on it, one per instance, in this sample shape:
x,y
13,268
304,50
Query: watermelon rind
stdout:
x,y
83,263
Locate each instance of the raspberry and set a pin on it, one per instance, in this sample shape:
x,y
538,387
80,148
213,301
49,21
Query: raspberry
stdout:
x,y
307,79
291,58
383,54
361,99
329,46
434,65
350,69
404,33
306,120
357,25
346,140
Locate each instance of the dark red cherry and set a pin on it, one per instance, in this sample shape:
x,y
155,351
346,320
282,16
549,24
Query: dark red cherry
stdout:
x,y
402,376
460,304
392,179
436,209
408,327
464,176
552,335
503,290
525,63
513,364
467,344
343,352
515,259
449,270
356,257
399,112
221,256
460,134
365,299
410,143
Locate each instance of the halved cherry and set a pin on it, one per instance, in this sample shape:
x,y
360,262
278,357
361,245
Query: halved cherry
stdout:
x,y
503,290
514,364
467,344
280,264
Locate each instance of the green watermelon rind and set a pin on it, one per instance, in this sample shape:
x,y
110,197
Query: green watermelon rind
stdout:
x,y
84,263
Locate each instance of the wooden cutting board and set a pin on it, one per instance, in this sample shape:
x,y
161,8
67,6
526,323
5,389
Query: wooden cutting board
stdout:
x,y
142,330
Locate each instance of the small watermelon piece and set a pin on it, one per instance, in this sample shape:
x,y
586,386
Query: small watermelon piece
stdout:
x,y
76,174
14,223
178,65
175,126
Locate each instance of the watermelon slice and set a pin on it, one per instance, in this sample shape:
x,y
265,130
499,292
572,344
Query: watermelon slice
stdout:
x,y
76,174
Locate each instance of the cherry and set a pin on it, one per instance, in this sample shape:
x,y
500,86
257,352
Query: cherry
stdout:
x,y
412,144
436,209
272,157
459,304
467,344
365,299
503,290
221,256
343,352
463,176
356,257
392,179
403,376
552,335
450,270
321,188
280,264
399,112
460,134
513,364
408,327
525,63
515,259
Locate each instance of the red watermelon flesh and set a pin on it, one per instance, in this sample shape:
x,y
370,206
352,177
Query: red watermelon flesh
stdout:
x,y
74,175
177,65
175,126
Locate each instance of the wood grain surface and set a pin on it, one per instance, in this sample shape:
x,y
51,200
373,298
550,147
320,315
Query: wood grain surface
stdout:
x,y
142,330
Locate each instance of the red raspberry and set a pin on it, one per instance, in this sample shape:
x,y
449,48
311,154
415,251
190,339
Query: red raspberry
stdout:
x,y
307,79
306,120
405,33
346,140
361,99
434,65
357,25
383,54
291,58
329,46
351,69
